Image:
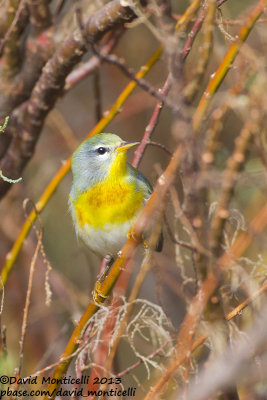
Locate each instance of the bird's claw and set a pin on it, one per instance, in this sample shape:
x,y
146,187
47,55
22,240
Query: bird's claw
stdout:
x,y
98,296
131,235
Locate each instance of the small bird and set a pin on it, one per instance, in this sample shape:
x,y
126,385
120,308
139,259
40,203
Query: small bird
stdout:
x,y
107,193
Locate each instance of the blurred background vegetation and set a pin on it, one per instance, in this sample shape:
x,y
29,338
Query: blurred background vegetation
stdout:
x,y
74,268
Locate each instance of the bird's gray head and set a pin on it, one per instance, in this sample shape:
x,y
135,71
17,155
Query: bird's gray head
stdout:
x,y
96,157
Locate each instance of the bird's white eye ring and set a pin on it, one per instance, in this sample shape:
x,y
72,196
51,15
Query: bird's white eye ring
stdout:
x,y
101,150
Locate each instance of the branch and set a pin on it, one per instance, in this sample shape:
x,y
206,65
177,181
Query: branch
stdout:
x,y
204,52
129,73
194,31
235,165
187,16
238,309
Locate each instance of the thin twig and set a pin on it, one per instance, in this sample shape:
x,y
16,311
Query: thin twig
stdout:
x,y
28,296
235,164
204,52
181,243
112,59
161,146
193,33
97,96
237,310
151,125
179,214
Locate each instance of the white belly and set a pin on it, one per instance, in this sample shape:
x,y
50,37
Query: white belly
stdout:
x,y
107,241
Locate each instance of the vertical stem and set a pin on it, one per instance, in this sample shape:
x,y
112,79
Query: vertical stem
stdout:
x,y
97,95
204,52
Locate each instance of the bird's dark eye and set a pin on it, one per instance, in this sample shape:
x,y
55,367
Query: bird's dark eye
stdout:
x,y
101,150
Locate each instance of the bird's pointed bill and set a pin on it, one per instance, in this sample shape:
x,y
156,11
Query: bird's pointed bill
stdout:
x,y
126,146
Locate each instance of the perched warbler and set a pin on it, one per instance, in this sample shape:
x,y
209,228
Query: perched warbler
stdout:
x,y
107,193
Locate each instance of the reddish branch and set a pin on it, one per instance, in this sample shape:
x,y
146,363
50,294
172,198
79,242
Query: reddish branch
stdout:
x,y
192,35
151,125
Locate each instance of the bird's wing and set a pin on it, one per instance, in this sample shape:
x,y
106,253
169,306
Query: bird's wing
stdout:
x,y
143,185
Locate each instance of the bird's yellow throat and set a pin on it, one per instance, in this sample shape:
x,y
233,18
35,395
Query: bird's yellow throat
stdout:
x,y
112,201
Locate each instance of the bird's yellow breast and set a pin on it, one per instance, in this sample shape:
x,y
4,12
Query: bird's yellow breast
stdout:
x,y
108,203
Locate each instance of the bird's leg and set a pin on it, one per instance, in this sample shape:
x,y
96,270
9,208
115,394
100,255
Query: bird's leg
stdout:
x,y
98,296
104,267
